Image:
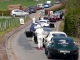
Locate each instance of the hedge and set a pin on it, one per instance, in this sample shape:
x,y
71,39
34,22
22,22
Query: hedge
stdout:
x,y
5,12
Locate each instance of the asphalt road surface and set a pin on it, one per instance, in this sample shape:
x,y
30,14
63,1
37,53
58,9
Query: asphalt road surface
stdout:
x,y
21,47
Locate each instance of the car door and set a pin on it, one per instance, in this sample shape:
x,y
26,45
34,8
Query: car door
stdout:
x,y
48,37
21,13
47,40
18,12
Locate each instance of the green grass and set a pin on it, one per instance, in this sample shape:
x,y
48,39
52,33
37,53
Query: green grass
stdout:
x,y
11,27
4,5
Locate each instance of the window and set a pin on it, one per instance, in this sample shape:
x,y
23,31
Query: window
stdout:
x,y
63,35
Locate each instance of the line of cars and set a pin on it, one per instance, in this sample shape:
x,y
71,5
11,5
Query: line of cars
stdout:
x,y
59,44
57,15
23,13
56,43
29,10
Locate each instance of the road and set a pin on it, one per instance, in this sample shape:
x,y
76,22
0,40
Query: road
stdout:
x,y
21,47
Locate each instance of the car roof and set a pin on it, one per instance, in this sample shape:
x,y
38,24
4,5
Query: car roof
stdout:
x,y
15,10
44,20
47,28
34,23
57,32
63,38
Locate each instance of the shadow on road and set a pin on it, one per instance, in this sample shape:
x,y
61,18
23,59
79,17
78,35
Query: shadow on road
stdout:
x,y
52,26
29,34
62,58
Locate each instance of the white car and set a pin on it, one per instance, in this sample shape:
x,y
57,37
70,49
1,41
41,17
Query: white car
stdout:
x,y
54,34
57,2
44,23
17,12
40,5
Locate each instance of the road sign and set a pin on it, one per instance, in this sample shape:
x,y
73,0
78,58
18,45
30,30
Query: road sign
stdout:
x,y
21,21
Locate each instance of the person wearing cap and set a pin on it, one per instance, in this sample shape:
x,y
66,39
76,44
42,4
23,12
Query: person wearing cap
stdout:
x,y
34,19
39,32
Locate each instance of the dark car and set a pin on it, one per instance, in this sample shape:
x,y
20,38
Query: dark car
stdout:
x,y
46,5
62,46
33,27
60,12
28,10
37,7
54,17
32,8
46,31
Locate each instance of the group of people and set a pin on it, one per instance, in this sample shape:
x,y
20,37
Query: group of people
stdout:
x,y
39,31
40,15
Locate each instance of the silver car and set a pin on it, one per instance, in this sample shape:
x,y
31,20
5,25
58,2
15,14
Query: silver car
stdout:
x,y
17,12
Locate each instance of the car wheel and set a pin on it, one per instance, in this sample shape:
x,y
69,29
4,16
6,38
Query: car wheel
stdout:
x,y
14,15
49,55
26,15
76,56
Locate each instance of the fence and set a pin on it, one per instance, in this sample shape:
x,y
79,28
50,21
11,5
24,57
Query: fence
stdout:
x,y
6,23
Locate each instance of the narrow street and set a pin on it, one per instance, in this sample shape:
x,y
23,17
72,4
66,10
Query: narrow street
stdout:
x,y
21,47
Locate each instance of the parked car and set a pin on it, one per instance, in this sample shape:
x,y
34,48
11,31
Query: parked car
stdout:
x,y
33,27
54,17
57,2
46,5
32,8
37,7
17,12
60,12
46,31
44,23
40,5
54,34
61,46
28,10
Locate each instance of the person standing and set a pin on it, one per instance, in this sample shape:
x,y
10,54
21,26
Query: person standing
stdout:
x,y
34,19
48,13
39,32
39,15
43,12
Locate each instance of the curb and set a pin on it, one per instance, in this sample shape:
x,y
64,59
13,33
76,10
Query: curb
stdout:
x,y
9,34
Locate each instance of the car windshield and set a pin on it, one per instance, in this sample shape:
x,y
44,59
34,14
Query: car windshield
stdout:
x,y
46,4
33,25
64,43
42,21
39,5
31,7
47,29
56,34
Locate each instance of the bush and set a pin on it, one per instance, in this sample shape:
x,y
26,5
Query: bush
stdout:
x,y
71,18
5,12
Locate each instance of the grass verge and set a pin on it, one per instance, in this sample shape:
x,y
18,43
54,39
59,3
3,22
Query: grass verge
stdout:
x,y
2,33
